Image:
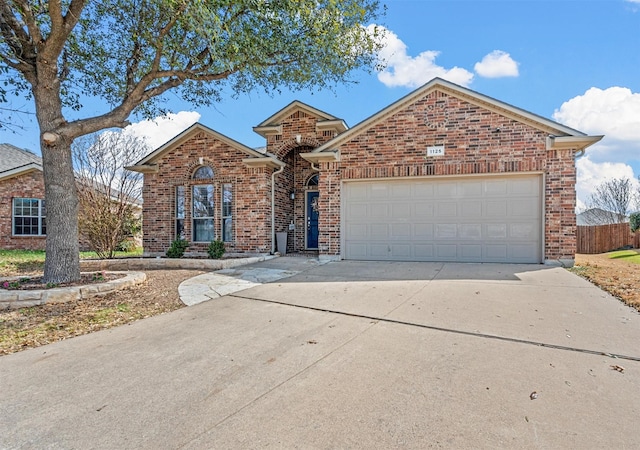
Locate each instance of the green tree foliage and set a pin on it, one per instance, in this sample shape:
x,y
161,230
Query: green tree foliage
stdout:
x,y
131,52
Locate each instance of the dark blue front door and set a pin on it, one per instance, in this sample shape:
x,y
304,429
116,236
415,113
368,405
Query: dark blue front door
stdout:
x,y
312,219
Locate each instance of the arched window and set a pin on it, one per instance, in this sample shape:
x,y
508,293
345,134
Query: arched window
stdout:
x,y
203,173
312,182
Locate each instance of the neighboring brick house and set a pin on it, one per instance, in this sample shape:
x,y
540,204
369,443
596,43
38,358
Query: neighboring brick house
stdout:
x,y
22,201
443,174
22,206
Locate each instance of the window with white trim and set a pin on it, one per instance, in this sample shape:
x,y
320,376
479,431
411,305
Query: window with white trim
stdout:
x,y
203,209
29,217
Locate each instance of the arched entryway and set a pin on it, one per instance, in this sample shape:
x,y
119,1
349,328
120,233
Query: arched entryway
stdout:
x,y
296,200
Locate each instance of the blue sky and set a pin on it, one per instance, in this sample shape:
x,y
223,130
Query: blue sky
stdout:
x,y
576,62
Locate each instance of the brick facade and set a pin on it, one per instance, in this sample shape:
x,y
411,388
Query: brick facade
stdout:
x,y
251,207
481,136
477,141
27,185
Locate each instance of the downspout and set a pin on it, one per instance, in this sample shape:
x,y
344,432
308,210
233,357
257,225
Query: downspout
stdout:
x,y
273,208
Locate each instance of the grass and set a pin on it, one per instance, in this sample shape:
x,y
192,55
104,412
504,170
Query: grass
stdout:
x,y
632,256
29,261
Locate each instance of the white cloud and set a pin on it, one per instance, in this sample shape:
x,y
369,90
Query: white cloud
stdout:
x,y
497,64
162,129
614,112
405,70
590,174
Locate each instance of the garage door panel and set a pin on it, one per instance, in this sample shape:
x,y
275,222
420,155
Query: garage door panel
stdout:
x,y
495,209
422,190
492,219
446,190
522,207
378,231
495,188
447,209
471,252
496,252
471,231
423,209
424,252
401,231
379,211
400,191
470,209
401,211
446,231
357,250
400,251
496,231
422,231
447,252
522,231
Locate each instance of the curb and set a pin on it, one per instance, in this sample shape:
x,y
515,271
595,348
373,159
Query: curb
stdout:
x,y
14,299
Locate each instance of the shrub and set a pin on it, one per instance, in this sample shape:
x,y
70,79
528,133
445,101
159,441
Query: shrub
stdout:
x,y
177,248
216,249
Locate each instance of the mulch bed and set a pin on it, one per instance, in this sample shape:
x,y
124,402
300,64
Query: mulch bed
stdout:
x,y
37,282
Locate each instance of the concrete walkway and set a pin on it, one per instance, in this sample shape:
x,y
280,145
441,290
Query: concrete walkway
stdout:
x,y
346,355
216,284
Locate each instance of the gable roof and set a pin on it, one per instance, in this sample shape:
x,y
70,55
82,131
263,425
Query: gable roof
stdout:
x,y
147,163
16,161
271,124
555,129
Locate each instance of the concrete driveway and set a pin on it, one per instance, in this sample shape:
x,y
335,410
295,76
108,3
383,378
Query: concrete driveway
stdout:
x,y
346,355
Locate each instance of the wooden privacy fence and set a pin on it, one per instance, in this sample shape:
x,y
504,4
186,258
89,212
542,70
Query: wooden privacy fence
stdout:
x,y
604,238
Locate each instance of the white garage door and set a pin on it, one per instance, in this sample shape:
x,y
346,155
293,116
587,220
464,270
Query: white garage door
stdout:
x,y
472,219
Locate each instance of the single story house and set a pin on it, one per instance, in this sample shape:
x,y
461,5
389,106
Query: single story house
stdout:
x,y
22,206
23,222
443,174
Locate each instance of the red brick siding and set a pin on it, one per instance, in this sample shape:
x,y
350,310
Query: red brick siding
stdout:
x,y
28,185
397,147
251,196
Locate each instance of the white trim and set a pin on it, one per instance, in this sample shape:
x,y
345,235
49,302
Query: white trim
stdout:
x,y
21,170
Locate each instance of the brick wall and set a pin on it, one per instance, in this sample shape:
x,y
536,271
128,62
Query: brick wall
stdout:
x,y
476,140
251,197
287,147
28,185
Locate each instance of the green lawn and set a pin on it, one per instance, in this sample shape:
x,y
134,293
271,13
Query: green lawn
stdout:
x,y
14,262
631,256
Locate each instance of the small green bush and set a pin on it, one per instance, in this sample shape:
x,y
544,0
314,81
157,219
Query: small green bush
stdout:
x,y
177,248
216,249
634,221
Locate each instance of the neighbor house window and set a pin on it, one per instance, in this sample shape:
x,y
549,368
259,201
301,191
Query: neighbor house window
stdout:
x,y
180,212
29,217
227,214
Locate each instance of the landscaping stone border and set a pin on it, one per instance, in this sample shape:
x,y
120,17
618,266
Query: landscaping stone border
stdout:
x,y
14,299
91,265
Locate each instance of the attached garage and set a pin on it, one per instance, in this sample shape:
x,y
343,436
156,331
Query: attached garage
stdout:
x,y
465,219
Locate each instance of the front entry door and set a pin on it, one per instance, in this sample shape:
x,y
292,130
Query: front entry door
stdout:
x,y
312,219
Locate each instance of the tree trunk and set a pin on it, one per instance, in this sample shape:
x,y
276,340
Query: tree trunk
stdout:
x,y
62,259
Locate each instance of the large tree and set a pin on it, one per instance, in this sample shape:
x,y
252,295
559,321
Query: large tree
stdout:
x,y
128,53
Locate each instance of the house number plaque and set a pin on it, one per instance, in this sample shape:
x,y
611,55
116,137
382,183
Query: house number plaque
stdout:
x,y
435,150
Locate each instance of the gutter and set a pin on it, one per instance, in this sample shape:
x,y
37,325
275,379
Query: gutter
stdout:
x,y
273,208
